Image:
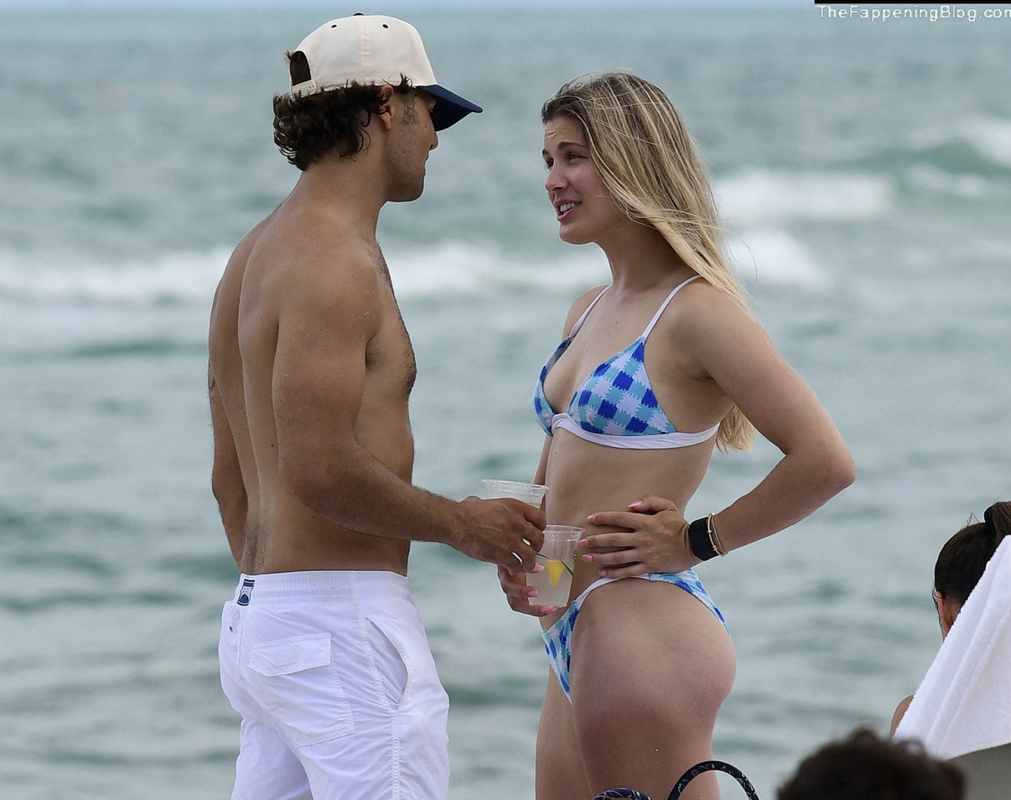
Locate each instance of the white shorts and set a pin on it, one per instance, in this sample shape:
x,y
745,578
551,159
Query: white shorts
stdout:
x,y
334,679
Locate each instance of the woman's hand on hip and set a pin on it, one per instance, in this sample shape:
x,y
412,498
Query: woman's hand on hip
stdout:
x,y
654,539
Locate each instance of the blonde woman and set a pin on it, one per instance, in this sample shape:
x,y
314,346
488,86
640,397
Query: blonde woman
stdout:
x,y
655,370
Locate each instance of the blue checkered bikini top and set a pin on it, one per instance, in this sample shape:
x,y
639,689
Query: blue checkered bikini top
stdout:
x,y
615,405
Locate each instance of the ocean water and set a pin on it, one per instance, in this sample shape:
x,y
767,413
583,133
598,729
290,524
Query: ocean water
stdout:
x,y
864,169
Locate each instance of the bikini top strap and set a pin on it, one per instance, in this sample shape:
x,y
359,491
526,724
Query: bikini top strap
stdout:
x,y
589,308
663,307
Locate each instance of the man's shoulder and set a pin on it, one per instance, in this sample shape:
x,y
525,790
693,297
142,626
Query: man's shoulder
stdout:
x,y
228,291
329,284
300,254
249,241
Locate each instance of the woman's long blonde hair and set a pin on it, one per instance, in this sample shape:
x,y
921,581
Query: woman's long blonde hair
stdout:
x,y
655,171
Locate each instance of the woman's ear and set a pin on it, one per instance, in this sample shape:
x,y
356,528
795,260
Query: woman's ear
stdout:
x,y
947,610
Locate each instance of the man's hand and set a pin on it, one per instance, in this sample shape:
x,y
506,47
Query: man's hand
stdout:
x,y
505,532
514,584
654,539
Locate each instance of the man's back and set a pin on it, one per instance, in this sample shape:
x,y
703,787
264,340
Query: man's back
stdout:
x,y
308,281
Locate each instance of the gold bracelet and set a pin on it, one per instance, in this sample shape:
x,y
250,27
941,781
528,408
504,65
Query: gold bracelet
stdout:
x,y
714,535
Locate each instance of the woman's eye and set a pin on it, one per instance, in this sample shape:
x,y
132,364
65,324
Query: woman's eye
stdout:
x,y
549,163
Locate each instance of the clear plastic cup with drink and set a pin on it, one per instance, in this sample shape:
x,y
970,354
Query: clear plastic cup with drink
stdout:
x,y
532,493
558,557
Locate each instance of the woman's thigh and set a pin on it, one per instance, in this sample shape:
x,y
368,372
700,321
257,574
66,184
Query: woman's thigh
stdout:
x,y
651,666
560,774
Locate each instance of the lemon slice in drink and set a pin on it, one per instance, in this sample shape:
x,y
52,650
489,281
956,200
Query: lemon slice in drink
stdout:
x,y
555,570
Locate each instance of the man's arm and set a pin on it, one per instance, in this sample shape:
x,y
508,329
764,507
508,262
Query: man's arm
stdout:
x,y
226,477
324,330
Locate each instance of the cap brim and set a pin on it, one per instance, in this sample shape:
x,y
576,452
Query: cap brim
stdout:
x,y
449,108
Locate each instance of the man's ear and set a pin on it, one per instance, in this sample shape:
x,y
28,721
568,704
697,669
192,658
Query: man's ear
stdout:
x,y
385,115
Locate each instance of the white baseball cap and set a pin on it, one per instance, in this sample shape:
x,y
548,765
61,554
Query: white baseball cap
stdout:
x,y
374,49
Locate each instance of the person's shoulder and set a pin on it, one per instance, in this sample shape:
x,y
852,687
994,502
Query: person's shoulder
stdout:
x,y
700,307
699,294
239,257
580,304
706,324
900,712
339,260
335,281
313,258
226,295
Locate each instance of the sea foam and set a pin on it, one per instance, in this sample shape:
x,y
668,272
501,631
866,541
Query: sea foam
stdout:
x,y
988,137
172,278
445,270
759,196
769,255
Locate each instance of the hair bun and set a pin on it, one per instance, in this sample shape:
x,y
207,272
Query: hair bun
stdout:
x,y
997,519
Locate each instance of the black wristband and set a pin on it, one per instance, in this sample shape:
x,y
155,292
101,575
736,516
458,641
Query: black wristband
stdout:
x,y
698,538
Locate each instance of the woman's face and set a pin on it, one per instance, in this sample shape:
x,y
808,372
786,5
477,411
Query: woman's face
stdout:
x,y
584,207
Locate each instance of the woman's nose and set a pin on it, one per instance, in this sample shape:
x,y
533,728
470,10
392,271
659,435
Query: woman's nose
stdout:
x,y
555,180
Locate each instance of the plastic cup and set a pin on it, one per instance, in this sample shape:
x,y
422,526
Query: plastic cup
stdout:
x,y
532,493
558,557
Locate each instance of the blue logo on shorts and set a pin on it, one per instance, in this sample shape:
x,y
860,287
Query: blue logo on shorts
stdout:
x,y
246,592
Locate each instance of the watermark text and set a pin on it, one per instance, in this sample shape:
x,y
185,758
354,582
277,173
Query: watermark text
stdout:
x,y
931,14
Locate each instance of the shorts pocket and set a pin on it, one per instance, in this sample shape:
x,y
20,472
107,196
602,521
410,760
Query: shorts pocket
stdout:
x,y
299,685
388,656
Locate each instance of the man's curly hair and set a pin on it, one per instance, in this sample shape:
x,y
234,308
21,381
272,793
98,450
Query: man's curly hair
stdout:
x,y
308,128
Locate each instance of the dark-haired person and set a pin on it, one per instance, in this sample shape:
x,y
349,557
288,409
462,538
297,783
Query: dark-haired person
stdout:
x,y
959,566
321,649
867,767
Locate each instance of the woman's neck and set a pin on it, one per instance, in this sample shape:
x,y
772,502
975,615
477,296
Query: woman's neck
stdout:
x,y
641,259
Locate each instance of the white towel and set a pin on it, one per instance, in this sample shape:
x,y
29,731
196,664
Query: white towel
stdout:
x,y
964,702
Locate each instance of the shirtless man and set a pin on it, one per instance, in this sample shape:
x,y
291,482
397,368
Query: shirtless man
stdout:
x,y
322,651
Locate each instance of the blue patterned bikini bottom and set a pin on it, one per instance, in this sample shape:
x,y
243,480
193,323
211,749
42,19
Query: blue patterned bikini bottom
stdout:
x,y
558,638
